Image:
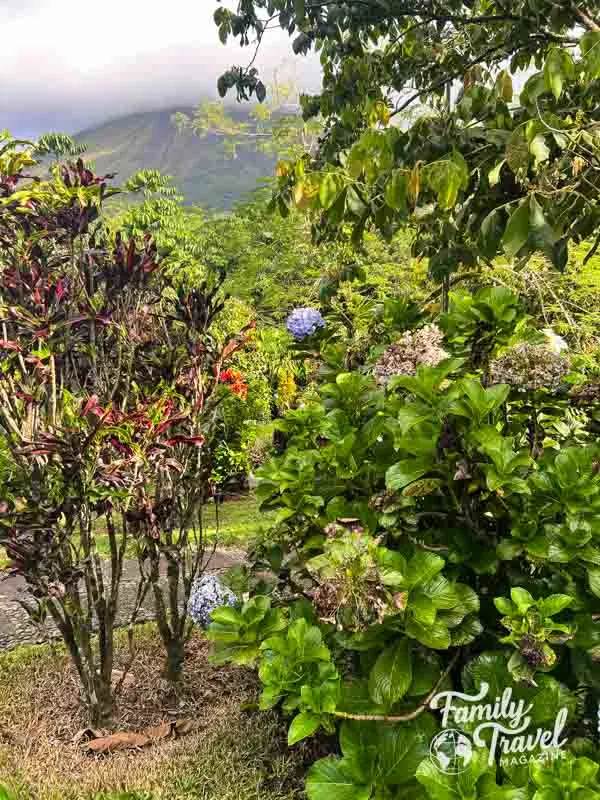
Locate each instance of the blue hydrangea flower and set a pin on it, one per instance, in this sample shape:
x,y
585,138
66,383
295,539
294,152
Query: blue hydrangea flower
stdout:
x,y
304,321
207,594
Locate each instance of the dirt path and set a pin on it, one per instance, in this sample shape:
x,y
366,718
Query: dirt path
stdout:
x,y
16,628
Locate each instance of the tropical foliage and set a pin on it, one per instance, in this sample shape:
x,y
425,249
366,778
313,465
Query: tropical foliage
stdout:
x,y
437,500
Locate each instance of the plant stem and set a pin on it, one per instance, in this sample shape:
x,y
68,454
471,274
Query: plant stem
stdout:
x,y
416,712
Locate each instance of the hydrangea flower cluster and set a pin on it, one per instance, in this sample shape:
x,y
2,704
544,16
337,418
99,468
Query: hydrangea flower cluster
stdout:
x,y
207,594
529,367
303,322
413,349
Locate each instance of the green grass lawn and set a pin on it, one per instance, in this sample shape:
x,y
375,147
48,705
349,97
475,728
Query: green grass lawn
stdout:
x,y
239,521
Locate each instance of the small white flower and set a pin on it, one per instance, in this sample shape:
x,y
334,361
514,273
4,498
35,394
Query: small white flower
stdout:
x,y
554,342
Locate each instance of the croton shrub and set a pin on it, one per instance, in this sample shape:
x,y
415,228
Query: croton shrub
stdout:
x,y
434,572
110,387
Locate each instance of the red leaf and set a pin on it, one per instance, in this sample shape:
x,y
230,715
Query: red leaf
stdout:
x,y
60,290
168,422
198,441
91,403
7,344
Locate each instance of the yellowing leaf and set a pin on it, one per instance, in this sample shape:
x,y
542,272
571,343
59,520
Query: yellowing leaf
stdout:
x,y
504,86
414,184
298,193
539,149
330,187
446,178
494,174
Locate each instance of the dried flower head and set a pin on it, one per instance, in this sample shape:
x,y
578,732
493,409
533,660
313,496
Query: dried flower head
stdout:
x,y
413,349
586,393
529,367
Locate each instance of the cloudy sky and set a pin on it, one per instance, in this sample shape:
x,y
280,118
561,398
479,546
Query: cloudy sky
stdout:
x,y
65,67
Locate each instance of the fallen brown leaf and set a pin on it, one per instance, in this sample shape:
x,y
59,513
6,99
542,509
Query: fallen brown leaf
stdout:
x,y
129,740
86,734
162,731
118,741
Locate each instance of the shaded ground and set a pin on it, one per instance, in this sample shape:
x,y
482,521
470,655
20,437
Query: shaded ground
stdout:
x,y
230,754
16,628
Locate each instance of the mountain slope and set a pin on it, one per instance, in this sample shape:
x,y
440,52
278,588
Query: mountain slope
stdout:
x,y
202,171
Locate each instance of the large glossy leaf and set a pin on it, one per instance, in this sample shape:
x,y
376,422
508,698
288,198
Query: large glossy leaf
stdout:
x,y
303,725
446,178
406,471
444,786
396,190
558,68
517,230
590,47
391,674
329,779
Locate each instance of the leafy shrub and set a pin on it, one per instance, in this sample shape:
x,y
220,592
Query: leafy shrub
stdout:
x,y
441,545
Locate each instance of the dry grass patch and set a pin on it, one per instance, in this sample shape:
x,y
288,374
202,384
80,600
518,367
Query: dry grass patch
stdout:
x,y
231,754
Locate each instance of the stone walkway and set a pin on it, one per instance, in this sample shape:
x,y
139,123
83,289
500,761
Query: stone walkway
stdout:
x,y
16,628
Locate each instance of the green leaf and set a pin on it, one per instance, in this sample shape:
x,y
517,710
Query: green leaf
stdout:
x,y
391,674
423,608
261,92
504,605
226,615
522,599
517,150
584,771
554,604
422,567
401,748
517,230
396,190
492,229
594,581
446,178
303,725
331,779
541,233
557,68
436,636
404,472
329,190
590,48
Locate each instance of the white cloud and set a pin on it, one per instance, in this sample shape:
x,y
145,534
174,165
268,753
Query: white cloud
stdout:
x,y
82,61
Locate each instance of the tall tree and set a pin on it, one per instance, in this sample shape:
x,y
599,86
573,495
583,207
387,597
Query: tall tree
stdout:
x,y
493,174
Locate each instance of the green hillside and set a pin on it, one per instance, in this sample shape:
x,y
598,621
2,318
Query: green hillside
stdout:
x,y
202,170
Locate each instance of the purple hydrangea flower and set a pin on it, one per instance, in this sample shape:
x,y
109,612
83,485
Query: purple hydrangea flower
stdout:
x,y
302,322
207,594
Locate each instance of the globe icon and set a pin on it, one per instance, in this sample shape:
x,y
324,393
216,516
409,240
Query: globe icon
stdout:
x,y
451,751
